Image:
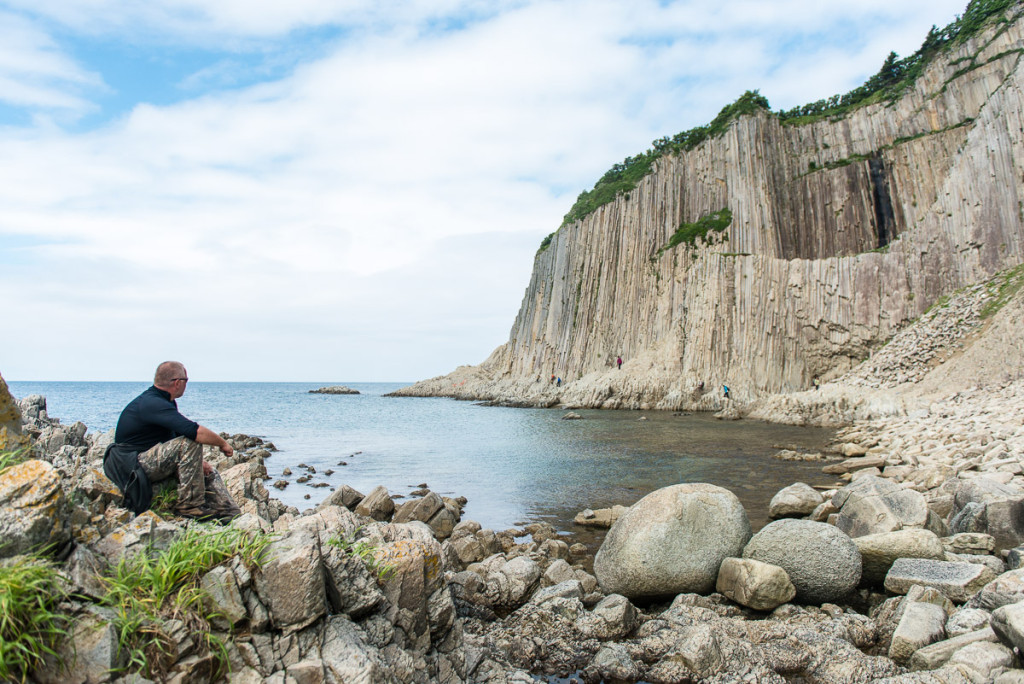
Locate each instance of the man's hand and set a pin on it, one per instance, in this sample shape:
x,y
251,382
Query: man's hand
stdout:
x,y
207,436
207,468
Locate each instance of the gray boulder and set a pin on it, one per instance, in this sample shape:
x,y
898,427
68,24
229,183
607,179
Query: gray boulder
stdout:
x,y
957,581
614,617
822,562
672,541
795,501
922,624
879,551
430,509
1005,589
343,496
985,658
351,587
291,583
970,543
89,650
1008,624
871,505
967,620
936,655
986,506
377,505
754,584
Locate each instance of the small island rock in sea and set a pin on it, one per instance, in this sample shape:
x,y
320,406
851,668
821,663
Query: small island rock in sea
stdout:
x,y
336,389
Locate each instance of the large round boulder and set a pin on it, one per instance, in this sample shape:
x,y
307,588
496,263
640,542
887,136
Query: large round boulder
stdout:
x,y
822,561
672,541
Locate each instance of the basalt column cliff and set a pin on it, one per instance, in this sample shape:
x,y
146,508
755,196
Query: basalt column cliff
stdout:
x,y
776,252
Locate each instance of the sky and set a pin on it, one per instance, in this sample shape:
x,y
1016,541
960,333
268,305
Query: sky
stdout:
x,y
348,190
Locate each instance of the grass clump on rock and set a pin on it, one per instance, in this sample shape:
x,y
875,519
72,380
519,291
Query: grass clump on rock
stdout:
x,y
689,232
364,551
144,590
30,625
13,458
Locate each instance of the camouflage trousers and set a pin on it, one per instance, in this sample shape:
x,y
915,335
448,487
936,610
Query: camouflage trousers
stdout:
x,y
182,457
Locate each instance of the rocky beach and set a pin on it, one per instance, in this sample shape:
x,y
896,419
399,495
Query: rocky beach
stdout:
x,y
911,569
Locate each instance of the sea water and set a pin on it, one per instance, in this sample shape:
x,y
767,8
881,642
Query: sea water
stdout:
x,y
514,466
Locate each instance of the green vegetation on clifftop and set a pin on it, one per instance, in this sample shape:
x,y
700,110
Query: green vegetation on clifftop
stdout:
x,y
624,176
895,76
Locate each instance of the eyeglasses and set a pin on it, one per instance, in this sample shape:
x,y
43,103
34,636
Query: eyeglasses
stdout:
x,y
176,379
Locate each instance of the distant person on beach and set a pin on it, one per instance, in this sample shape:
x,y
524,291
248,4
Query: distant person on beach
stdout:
x,y
816,383
154,442
700,387
558,383
725,391
619,361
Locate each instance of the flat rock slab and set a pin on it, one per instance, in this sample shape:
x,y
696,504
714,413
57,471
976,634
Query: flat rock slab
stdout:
x,y
957,581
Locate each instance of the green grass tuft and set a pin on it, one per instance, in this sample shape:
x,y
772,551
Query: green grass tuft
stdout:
x,y
13,458
30,626
145,589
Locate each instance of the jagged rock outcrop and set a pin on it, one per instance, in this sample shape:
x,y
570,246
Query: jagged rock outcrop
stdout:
x,y
842,232
10,421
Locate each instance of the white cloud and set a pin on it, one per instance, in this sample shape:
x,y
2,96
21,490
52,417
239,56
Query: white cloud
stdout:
x,y
374,213
33,71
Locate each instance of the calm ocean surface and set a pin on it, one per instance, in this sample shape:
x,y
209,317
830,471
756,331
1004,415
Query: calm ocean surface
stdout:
x,y
514,465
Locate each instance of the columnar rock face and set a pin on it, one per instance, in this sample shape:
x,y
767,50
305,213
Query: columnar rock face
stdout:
x,y
842,231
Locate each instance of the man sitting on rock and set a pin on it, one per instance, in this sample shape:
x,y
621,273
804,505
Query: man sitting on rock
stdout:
x,y
152,436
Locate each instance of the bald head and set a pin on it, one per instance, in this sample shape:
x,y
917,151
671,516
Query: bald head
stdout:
x,y
167,372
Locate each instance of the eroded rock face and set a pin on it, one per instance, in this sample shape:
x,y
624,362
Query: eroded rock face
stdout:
x,y
34,513
822,562
10,421
671,541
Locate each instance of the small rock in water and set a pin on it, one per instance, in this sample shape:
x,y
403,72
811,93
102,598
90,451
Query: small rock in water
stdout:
x,y
281,484
642,418
328,472
302,465
286,472
306,496
422,485
419,492
311,469
342,463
